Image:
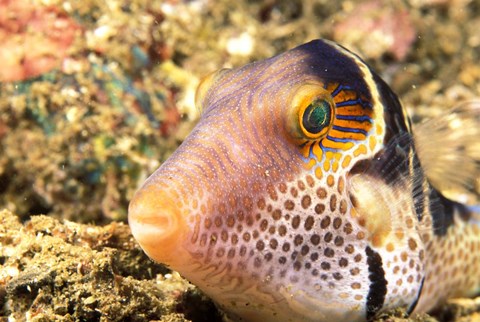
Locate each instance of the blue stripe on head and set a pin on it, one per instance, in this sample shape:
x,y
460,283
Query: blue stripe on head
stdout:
x,y
338,139
348,129
358,118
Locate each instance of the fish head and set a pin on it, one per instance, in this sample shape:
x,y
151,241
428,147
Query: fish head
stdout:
x,y
261,206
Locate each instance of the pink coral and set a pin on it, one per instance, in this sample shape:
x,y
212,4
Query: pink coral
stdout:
x,y
376,29
34,39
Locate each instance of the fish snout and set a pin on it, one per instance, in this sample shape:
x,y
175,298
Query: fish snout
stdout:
x,y
157,223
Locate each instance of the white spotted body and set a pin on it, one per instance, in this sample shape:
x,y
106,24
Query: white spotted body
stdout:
x,y
300,196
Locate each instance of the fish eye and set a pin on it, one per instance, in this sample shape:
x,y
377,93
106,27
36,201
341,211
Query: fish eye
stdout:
x,y
312,112
316,118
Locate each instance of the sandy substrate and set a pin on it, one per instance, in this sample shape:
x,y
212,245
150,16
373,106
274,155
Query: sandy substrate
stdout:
x,y
64,271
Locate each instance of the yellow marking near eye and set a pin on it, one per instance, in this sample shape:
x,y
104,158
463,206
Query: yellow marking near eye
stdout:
x,y
335,166
317,151
337,145
355,110
318,173
306,151
326,165
372,142
379,129
311,163
362,149
347,135
352,124
346,161
345,95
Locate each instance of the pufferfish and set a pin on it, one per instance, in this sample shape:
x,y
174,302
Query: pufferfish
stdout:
x,y
304,194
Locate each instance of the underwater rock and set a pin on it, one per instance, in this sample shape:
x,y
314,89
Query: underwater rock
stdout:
x,y
52,270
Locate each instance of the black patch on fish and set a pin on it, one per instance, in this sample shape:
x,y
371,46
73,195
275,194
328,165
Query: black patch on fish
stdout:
x,y
395,121
441,210
400,150
399,140
378,283
391,164
415,302
329,64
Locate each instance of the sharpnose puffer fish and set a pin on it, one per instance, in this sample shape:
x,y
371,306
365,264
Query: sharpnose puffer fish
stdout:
x,y
303,194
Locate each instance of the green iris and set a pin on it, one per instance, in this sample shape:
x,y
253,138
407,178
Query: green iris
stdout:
x,y
317,116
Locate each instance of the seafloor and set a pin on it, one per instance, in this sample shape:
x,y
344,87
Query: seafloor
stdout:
x,y
94,95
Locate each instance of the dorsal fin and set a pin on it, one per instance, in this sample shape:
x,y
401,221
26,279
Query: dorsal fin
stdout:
x,y
448,147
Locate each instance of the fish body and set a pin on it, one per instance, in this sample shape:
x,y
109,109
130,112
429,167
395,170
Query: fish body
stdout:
x,y
300,196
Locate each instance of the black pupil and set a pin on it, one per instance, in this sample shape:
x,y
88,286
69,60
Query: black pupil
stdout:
x,y
317,116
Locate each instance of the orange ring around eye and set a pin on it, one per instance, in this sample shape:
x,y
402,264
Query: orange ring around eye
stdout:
x,y
312,112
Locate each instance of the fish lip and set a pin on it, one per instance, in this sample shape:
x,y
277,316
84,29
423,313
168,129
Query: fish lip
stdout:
x,y
157,224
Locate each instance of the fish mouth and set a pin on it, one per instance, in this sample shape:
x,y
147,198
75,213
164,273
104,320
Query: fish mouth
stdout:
x,y
157,223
